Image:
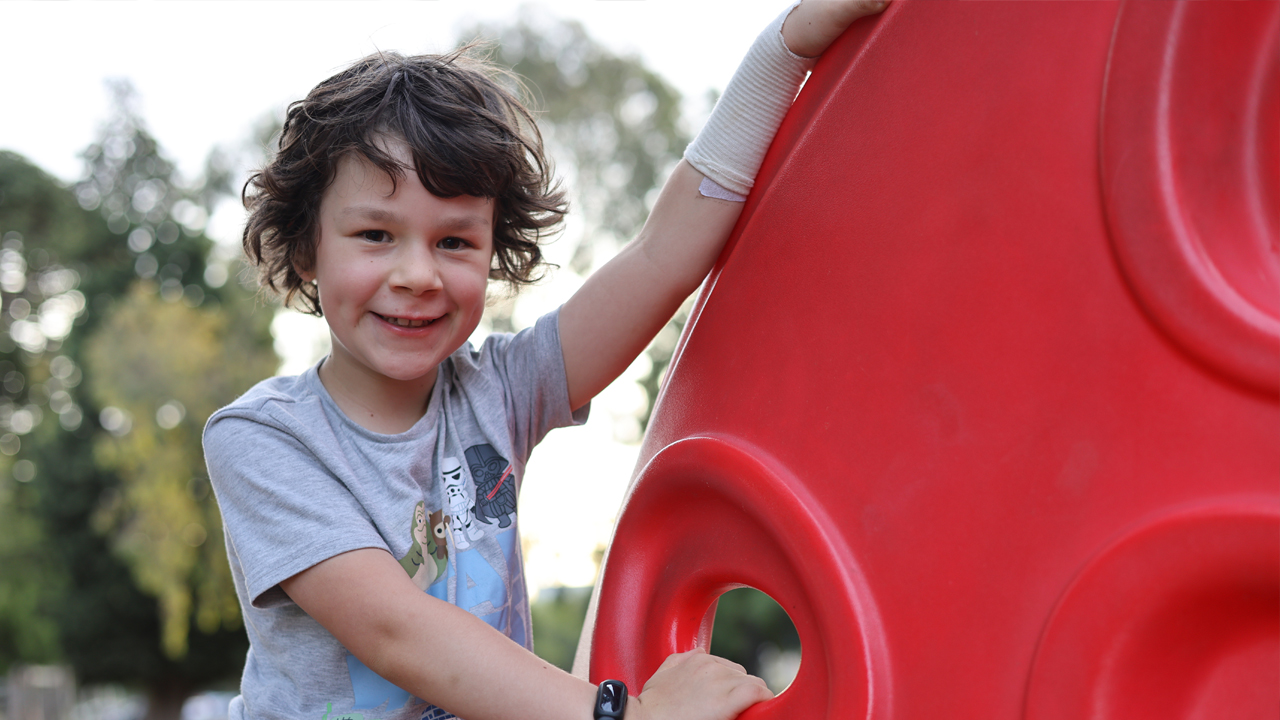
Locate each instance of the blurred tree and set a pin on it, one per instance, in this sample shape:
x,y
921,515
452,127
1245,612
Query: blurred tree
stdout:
x,y
150,365
558,615
118,269
613,124
39,301
614,128
31,579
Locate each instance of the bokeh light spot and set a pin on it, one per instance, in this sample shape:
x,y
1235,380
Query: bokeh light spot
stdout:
x,y
170,414
10,444
24,471
140,240
115,421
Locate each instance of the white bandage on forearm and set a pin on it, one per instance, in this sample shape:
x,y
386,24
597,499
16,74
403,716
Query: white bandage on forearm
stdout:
x,y
732,145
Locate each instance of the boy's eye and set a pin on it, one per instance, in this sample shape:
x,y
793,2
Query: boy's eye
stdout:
x,y
374,235
452,243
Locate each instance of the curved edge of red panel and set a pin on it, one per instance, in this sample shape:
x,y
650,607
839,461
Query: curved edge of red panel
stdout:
x,y
708,514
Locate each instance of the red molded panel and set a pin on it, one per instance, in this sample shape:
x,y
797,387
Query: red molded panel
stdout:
x,y
984,389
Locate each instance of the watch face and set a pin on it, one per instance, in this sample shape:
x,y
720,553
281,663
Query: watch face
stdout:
x,y
610,700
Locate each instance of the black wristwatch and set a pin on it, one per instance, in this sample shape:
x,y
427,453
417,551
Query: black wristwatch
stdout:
x,y
611,700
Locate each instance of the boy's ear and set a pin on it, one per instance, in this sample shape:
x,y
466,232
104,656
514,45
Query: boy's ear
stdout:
x,y
303,259
307,274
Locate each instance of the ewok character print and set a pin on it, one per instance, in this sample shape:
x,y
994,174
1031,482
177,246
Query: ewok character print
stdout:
x,y
460,504
495,486
427,555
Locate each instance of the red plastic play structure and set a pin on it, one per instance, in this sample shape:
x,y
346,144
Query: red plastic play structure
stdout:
x,y
984,391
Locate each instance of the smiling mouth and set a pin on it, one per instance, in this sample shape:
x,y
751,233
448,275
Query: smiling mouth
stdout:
x,y
406,322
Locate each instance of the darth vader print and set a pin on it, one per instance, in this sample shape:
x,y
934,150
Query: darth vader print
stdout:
x,y
495,484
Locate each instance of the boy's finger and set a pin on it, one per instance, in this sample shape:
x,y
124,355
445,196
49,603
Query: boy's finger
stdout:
x,y
728,663
863,8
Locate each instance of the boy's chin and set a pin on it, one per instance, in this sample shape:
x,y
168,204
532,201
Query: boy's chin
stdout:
x,y
410,373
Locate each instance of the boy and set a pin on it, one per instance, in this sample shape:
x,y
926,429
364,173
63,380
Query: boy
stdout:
x,y
401,187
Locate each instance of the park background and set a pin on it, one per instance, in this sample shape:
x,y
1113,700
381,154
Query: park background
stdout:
x,y
126,132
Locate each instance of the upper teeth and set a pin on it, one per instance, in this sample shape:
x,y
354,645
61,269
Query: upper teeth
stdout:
x,y
405,322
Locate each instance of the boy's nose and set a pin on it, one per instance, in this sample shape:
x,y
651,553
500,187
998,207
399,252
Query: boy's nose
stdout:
x,y
416,270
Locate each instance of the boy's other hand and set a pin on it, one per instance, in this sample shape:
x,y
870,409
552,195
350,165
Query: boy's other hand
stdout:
x,y
697,686
815,24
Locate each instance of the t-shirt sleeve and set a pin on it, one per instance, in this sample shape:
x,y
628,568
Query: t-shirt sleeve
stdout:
x,y
282,509
531,366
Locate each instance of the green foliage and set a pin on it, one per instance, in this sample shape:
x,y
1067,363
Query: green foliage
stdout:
x,y
558,616
611,124
31,579
116,341
614,121
110,630
165,349
747,621
39,223
156,219
159,369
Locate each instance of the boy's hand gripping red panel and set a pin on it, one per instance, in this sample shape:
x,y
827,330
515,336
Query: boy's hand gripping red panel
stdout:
x,y
984,389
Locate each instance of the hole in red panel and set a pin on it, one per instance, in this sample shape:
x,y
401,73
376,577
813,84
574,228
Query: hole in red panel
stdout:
x,y
754,631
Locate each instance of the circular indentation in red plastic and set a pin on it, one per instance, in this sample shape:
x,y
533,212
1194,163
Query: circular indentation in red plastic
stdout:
x,y
1190,163
706,516
1180,619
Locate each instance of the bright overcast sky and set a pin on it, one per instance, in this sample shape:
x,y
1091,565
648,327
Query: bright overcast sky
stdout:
x,y
207,71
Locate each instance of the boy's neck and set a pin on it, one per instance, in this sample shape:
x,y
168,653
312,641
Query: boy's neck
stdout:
x,y
376,402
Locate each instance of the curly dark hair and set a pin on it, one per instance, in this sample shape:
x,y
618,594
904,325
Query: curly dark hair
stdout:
x,y
468,135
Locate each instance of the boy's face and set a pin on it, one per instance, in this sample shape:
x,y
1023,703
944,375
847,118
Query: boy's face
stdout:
x,y
401,275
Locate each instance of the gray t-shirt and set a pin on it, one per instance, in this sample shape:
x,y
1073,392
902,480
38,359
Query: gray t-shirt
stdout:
x,y
298,483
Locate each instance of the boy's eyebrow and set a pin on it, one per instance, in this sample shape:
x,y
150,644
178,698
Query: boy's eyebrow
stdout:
x,y
377,214
369,212
468,222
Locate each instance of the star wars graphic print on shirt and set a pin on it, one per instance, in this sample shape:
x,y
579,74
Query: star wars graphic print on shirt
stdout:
x,y
470,544
495,488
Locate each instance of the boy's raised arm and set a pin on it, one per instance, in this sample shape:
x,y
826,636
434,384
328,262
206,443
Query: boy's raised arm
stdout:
x,y
621,307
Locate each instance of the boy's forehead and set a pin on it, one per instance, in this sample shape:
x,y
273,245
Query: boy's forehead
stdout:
x,y
358,186
394,146
355,173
